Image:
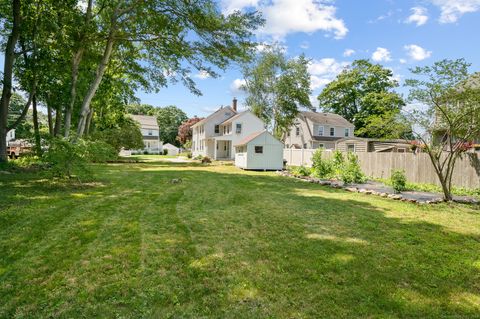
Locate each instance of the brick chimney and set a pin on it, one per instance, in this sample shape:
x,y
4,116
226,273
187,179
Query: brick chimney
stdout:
x,y
234,104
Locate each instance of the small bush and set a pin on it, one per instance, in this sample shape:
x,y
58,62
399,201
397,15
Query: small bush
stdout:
x,y
189,154
99,151
206,160
300,171
66,158
399,181
145,152
165,152
351,172
321,168
198,157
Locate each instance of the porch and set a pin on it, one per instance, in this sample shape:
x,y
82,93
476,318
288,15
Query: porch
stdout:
x,y
223,150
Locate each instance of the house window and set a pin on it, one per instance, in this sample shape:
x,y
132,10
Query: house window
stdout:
x,y
238,128
347,132
297,131
150,132
401,150
217,128
321,145
258,149
225,147
332,131
305,145
351,148
320,131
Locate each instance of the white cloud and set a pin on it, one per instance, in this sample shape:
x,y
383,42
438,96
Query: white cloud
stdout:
x,y
417,52
290,16
403,61
452,10
381,55
305,45
202,75
419,16
236,86
348,52
323,71
229,6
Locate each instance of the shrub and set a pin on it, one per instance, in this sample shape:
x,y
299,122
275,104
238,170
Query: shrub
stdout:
x,y
99,151
399,181
321,168
189,154
300,171
351,172
206,160
165,152
198,157
66,158
145,152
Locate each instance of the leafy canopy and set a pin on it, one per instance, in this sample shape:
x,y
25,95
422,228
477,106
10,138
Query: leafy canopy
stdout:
x,y
363,94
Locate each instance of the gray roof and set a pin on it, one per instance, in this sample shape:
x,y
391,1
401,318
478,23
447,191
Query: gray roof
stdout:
x,y
213,114
327,118
146,121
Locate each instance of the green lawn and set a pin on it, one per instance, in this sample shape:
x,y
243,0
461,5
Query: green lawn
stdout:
x,y
228,244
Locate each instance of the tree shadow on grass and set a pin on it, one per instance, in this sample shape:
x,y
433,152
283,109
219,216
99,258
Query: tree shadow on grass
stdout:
x,y
223,244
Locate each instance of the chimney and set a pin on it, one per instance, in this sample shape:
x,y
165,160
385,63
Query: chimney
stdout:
x,y
234,104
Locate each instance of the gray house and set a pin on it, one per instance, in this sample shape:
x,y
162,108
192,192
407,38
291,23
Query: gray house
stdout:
x,y
317,130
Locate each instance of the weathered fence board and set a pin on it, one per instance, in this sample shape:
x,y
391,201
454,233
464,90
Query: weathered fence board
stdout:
x,y
417,167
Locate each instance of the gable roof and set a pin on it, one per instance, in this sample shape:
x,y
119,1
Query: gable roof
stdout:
x,y
327,118
249,138
146,121
168,145
236,116
213,114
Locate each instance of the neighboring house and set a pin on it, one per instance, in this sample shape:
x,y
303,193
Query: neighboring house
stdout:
x,y
150,132
172,149
10,135
215,135
359,144
317,130
259,151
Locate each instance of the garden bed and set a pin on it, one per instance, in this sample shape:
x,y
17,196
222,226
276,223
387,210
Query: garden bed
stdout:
x,y
380,189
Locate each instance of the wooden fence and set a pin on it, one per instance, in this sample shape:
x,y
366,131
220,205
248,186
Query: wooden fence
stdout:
x,y
417,167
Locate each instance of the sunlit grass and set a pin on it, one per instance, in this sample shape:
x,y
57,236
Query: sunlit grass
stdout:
x,y
226,243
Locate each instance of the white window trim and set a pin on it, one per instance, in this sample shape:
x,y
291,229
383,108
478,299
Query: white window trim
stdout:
x,y
346,132
354,147
323,130
330,131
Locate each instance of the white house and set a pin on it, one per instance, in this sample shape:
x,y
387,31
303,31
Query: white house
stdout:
x,y
259,151
172,149
150,132
10,135
215,135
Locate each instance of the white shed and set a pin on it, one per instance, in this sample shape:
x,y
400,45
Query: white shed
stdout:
x,y
259,151
172,149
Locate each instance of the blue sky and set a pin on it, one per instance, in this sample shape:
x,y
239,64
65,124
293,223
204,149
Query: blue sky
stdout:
x,y
398,34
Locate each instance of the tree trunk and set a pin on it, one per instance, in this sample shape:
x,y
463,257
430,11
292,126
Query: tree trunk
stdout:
x,y
58,123
9,60
36,128
77,58
89,122
85,109
50,120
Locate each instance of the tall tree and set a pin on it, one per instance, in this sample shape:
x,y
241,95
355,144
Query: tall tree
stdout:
x,y
9,61
169,119
364,94
277,88
448,118
171,36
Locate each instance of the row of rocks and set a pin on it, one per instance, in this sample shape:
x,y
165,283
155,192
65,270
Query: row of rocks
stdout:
x,y
335,184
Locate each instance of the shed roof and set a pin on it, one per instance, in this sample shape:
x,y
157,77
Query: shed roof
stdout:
x,y
249,138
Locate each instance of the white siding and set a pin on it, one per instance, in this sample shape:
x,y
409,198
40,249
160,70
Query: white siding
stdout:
x,y
270,159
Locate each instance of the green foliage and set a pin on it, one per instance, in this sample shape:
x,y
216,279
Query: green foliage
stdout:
x,y
322,168
169,119
66,158
189,154
300,171
363,94
97,151
198,157
165,152
125,135
351,171
277,88
398,181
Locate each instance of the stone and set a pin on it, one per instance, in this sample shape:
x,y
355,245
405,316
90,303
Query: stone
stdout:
x,y
395,196
351,189
384,194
